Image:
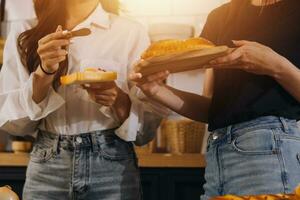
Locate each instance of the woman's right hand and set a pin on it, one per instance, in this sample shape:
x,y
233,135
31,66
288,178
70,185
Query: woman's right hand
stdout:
x,y
50,49
151,84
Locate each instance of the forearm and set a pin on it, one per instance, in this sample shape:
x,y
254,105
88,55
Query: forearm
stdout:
x,y
289,78
190,105
122,106
41,85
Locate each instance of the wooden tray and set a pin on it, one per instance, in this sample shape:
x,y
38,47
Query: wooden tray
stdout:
x,y
180,62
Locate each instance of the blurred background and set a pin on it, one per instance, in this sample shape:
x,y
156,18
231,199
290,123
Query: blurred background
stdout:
x,y
172,166
163,19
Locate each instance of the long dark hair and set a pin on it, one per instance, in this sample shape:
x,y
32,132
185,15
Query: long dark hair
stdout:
x,y
50,14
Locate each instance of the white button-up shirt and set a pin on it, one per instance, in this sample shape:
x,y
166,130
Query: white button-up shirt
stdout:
x,y
115,44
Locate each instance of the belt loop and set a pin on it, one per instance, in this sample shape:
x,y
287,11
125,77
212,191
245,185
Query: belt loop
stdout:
x,y
228,134
56,145
284,124
94,141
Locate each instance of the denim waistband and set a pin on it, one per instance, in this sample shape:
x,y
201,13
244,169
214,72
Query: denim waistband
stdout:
x,y
266,122
72,142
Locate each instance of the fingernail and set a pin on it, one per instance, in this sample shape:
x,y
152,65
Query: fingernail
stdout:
x,y
66,32
140,75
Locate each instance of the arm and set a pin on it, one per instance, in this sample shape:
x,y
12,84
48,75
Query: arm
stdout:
x,y
110,95
289,78
50,60
19,112
122,106
262,60
190,105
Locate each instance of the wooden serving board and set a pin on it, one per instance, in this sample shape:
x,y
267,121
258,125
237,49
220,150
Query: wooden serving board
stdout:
x,y
180,62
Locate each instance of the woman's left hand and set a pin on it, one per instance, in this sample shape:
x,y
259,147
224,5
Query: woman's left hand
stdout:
x,y
251,57
103,93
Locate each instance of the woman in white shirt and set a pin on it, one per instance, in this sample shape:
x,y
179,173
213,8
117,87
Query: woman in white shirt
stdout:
x,y
77,154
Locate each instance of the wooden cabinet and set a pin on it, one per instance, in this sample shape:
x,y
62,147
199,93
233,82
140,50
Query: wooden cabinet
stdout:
x,y
163,176
158,183
172,184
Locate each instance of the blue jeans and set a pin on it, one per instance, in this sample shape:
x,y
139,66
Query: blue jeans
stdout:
x,y
89,167
261,156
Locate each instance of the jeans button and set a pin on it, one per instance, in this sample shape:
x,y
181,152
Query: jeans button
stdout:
x,y
79,140
215,136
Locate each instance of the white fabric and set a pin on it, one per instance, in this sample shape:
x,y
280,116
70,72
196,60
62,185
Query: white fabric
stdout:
x,y
19,10
115,44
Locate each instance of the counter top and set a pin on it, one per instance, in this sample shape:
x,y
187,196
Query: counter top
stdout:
x,y
145,160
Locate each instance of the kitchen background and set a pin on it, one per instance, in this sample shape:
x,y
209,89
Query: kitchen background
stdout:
x,y
163,18
173,165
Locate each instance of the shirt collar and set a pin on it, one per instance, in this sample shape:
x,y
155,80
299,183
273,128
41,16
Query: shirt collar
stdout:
x,y
99,18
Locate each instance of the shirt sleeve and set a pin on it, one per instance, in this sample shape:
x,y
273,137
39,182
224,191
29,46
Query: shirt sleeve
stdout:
x,y
141,106
17,108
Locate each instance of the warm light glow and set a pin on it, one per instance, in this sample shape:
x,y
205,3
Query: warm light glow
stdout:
x,y
169,7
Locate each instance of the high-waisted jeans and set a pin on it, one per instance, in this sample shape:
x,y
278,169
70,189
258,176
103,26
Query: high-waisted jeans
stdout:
x,y
261,156
89,166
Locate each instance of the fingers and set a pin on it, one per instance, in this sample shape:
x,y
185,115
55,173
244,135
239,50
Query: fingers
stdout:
x,y
241,66
100,86
104,97
158,77
53,45
50,49
59,28
135,77
225,66
154,78
240,43
54,54
106,103
54,61
230,58
53,36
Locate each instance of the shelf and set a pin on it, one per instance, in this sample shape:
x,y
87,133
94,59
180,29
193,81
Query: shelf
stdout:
x,y
145,160
13,160
171,160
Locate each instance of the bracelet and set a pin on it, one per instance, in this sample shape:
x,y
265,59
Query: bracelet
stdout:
x,y
47,73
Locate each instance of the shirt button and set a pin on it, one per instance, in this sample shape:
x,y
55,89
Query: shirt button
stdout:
x,y
79,140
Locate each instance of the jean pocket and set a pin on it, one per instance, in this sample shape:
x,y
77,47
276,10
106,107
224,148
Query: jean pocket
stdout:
x,y
115,148
256,142
41,155
298,158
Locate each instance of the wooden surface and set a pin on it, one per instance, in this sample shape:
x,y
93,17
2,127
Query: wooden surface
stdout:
x,y
169,160
145,160
180,62
13,160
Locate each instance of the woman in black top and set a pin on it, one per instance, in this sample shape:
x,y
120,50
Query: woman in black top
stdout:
x,y
252,101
